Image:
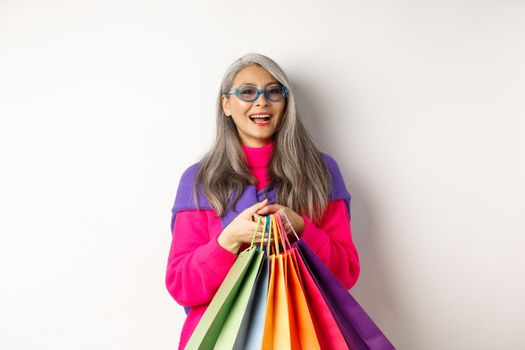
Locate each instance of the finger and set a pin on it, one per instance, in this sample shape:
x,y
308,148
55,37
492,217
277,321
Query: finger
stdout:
x,y
272,208
254,208
257,230
256,218
264,241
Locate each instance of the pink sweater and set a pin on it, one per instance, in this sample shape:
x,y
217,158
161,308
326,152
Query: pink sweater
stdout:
x,y
197,264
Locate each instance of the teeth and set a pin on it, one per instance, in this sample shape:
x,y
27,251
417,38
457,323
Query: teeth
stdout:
x,y
260,116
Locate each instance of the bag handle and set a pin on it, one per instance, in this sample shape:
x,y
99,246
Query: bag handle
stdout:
x,y
275,235
289,223
255,232
261,246
282,231
267,248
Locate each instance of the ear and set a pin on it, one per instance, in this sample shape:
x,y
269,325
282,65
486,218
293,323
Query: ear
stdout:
x,y
225,102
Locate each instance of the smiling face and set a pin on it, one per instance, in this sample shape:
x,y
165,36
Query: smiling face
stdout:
x,y
254,132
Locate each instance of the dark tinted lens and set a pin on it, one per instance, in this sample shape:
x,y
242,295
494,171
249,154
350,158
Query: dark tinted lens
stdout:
x,y
248,93
275,93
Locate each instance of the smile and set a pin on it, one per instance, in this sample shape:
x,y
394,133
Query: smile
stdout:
x,y
261,119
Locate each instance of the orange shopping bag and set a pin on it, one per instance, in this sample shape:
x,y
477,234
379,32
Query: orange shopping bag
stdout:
x,y
277,322
289,324
325,326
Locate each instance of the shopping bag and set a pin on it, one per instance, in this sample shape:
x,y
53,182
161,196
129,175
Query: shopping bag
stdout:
x,y
223,306
252,326
277,321
326,327
358,329
233,319
327,331
288,323
302,328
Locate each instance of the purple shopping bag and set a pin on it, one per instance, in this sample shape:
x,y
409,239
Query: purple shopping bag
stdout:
x,y
359,330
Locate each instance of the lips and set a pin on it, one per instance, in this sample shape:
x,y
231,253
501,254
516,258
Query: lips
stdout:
x,y
261,118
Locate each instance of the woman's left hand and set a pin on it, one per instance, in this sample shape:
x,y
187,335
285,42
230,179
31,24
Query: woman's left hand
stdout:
x,y
296,220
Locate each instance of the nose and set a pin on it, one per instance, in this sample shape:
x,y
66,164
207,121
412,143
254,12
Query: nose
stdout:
x,y
261,100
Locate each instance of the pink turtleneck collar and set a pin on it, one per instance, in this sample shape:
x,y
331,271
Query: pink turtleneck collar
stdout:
x,y
258,159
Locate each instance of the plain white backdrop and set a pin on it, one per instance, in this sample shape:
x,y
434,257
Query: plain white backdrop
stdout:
x,y
103,104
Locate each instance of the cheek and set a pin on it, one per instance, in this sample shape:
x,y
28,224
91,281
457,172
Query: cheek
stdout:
x,y
281,112
281,109
239,109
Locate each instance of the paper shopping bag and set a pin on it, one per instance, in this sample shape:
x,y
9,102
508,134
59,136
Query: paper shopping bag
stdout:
x,y
210,325
233,320
302,326
277,323
302,330
223,306
251,330
326,328
358,329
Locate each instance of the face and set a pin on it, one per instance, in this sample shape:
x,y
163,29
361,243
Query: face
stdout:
x,y
254,132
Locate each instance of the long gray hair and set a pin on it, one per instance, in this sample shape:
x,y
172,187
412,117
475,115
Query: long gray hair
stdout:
x,y
296,167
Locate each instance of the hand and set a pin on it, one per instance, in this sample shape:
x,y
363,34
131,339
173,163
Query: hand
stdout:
x,y
242,228
296,220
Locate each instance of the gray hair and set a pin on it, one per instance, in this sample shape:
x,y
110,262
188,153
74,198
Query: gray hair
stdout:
x,y
296,168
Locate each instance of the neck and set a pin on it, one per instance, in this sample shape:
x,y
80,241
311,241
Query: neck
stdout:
x,y
257,143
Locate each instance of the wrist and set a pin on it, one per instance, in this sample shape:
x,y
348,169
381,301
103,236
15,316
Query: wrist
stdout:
x,y
225,241
302,226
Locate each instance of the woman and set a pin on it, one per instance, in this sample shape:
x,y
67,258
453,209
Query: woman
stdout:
x,y
262,161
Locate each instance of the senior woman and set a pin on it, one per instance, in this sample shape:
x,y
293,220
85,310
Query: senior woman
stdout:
x,y
262,160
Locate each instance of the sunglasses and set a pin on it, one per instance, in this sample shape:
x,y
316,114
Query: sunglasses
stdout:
x,y
274,93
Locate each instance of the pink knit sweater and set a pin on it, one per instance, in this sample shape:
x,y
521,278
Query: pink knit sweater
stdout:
x,y
197,264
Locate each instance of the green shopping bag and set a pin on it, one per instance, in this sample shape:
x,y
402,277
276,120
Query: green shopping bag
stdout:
x,y
251,330
252,326
235,316
226,310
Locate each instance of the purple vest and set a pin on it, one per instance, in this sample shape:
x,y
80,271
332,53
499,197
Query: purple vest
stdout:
x,y
184,198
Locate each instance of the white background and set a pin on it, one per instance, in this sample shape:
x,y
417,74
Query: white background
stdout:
x,y
103,104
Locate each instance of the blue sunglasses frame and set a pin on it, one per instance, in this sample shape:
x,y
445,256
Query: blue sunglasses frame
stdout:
x,y
237,92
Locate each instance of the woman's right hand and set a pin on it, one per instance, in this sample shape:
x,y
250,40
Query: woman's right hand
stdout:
x,y
241,229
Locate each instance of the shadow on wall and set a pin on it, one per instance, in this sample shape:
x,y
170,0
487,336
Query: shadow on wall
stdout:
x,y
375,287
